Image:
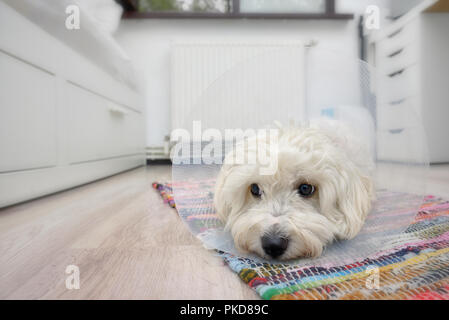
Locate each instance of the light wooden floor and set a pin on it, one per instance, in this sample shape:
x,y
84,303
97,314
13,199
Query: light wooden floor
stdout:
x,y
125,241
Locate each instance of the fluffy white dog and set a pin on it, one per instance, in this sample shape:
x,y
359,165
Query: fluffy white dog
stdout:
x,y
322,190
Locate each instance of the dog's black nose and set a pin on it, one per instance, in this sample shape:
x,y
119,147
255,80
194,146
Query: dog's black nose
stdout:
x,y
274,245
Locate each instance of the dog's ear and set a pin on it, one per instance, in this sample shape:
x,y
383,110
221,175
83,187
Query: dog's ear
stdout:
x,y
230,193
354,197
346,199
220,198
231,185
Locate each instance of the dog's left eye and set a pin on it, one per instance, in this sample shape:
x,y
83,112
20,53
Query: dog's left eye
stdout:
x,y
306,190
255,190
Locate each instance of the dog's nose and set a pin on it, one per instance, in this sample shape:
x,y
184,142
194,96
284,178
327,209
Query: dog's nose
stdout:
x,y
274,245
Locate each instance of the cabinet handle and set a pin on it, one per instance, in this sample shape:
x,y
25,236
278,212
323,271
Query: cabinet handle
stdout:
x,y
396,73
395,53
117,111
396,102
391,35
396,131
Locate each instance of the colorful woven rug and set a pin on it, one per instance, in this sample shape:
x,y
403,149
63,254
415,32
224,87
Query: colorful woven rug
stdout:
x,y
416,270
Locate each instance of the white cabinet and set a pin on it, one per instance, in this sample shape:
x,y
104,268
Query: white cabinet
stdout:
x,y
64,121
400,83
94,121
411,59
400,113
404,144
27,117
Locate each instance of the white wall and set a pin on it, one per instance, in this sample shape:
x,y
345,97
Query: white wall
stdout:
x,y
147,42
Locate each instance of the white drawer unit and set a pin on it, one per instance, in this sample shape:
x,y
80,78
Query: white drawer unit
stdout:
x,y
401,83
64,120
412,72
94,121
397,59
28,116
398,37
399,113
405,144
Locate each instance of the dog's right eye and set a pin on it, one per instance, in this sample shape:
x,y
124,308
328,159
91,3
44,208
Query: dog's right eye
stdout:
x,y
255,190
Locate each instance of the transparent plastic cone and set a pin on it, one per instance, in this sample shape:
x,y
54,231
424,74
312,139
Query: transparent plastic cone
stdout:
x,y
301,85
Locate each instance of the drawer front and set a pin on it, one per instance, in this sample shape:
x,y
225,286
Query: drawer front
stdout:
x,y
27,116
398,59
99,128
402,144
399,37
401,83
399,114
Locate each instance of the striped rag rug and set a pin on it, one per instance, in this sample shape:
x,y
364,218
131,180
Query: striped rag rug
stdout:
x,y
417,270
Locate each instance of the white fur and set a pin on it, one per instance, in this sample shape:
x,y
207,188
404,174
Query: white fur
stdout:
x,y
326,155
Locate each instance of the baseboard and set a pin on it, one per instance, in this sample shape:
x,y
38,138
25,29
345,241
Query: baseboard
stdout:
x,y
158,162
20,186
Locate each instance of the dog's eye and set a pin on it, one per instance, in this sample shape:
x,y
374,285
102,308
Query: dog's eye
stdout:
x,y
255,190
306,190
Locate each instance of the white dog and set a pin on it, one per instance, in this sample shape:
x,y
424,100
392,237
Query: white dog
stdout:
x,y
322,190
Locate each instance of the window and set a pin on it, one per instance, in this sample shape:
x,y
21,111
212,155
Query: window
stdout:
x,y
232,9
181,6
283,6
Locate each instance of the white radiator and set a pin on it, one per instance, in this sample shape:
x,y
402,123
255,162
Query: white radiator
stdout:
x,y
236,85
